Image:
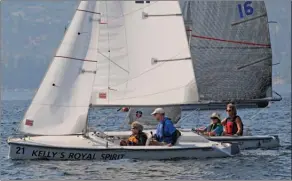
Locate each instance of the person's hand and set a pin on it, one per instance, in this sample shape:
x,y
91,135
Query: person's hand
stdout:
x,y
169,145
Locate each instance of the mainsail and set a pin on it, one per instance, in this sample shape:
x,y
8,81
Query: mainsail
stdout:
x,y
142,46
114,53
230,48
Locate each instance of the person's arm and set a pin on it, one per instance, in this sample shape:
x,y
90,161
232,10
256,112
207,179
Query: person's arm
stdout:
x,y
223,122
171,130
156,137
217,131
239,125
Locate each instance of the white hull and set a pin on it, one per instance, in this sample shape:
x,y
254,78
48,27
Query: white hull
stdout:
x,y
250,142
244,142
76,147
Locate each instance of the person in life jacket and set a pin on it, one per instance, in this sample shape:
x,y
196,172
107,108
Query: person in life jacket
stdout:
x,y
214,129
233,125
166,133
138,137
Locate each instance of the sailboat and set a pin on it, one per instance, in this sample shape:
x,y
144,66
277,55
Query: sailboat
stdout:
x,y
231,51
113,54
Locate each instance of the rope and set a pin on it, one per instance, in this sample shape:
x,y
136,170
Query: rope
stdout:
x,y
252,117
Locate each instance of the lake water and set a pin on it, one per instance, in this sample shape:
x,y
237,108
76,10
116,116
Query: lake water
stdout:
x,y
251,164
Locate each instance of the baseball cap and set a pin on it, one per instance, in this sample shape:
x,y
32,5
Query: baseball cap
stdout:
x,y
158,111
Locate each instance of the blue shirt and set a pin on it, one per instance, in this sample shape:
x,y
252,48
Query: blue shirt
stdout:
x,y
166,135
218,130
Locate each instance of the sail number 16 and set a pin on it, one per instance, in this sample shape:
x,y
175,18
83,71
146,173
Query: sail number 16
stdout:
x,y
246,9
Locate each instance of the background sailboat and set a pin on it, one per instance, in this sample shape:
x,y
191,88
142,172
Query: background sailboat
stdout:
x,y
231,50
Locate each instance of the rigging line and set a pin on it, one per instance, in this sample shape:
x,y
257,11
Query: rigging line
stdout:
x,y
109,51
255,62
87,11
112,61
249,19
175,88
84,60
232,41
127,46
146,71
94,77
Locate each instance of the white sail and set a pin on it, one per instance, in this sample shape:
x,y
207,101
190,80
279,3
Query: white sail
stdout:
x,y
130,42
61,103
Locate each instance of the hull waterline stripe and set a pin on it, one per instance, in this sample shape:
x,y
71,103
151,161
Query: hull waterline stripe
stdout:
x,y
232,41
84,60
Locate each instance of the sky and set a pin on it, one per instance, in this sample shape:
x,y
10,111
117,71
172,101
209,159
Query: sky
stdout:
x,y
31,31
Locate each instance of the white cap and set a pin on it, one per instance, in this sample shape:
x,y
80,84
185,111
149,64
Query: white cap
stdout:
x,y
158,111
215,115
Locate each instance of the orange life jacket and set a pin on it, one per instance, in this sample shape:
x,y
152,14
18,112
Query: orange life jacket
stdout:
x,y
133,140
231,126
139,139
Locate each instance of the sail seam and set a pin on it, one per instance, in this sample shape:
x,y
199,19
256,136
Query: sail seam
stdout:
x,y
231,41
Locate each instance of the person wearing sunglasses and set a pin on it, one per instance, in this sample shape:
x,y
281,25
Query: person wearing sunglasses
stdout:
x,y
138,137
214,129
233,125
